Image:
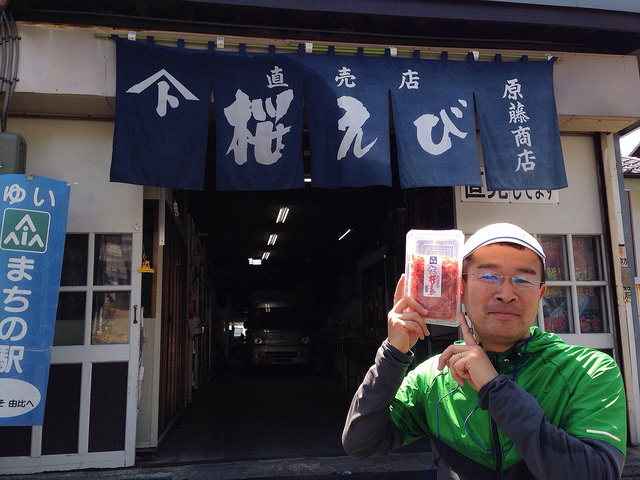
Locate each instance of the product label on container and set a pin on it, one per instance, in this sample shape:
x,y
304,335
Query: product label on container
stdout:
x,y
433,276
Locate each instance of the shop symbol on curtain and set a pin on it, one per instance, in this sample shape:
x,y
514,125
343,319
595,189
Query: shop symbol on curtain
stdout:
x,y
164,98
162,115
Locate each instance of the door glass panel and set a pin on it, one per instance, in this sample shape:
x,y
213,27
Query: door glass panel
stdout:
x,y
591,301
60,428
556,262
557,310
107,421
69,327
110,317
74,262
586,259
16,441
112,264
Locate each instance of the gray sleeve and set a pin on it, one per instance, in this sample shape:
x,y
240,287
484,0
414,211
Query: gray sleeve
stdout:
x,y
548,451
369,430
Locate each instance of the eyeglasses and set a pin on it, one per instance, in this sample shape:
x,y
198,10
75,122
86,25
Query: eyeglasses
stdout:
x,y
522,282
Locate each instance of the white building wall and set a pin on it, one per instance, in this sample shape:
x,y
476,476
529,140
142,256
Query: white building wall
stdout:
x,y
79,151
578,210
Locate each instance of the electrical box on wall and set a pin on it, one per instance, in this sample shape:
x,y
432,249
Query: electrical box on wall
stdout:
x,y
13,153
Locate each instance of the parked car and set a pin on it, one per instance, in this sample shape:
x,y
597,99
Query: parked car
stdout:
x,y
279,332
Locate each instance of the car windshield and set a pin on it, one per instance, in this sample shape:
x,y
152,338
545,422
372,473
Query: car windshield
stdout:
x,y
276,317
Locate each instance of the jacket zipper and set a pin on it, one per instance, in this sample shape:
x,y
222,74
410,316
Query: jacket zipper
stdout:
x,y
496,443
494,431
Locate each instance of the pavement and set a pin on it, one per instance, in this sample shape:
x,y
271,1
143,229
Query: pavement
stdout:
x,y
632,465
406,466
315,468
268,427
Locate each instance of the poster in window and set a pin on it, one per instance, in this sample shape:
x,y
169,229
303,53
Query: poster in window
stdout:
x,y
556,261
556,306
590,303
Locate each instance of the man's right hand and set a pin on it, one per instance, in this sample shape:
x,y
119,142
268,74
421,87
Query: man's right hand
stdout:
x,y
406,320
468,362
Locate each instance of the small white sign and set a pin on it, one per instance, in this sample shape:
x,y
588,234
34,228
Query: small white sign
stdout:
x,y
17,397
481,194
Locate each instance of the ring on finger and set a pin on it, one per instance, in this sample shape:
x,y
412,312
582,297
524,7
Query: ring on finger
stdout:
x,y
460,354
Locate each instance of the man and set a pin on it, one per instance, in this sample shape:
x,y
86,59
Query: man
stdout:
x,y
511,402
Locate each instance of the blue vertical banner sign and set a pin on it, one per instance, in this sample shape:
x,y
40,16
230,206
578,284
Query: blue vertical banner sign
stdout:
x,y
519,125
32,235
434,119
163,96
259,120
347,102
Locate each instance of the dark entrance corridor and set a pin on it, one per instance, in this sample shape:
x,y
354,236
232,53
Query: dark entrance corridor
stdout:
x,y
258,416
270,415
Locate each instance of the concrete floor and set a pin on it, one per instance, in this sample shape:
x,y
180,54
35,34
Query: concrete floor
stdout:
x,y
266,415
268,426
278,424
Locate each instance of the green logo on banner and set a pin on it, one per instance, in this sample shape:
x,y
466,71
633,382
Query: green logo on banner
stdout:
x,y
25,230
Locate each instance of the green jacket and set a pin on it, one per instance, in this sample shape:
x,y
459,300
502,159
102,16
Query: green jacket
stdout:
x,y
555,411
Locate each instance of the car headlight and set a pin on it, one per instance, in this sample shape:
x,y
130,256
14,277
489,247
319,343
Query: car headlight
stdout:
x,y
304,340
258,340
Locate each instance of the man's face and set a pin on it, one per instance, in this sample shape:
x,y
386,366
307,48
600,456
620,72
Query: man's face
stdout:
x,y
502,313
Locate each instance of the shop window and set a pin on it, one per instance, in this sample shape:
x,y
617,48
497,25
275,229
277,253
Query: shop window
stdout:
x,y
110,318
74,262
576,300
557,310
69,327
110,307
71,313
112,260
95,290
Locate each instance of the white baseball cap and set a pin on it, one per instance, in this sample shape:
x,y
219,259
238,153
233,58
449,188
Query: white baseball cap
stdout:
x,y
502,232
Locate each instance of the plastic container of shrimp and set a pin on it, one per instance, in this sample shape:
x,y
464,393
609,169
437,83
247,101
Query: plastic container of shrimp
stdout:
x,y
433,273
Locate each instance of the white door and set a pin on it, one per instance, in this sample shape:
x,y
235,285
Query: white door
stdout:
x,y
90,414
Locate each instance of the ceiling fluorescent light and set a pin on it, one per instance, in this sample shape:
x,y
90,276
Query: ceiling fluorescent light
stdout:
x,y
265,255
347,232
282,214
272,239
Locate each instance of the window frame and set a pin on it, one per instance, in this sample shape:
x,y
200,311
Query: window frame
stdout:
x,y
601,341
89,288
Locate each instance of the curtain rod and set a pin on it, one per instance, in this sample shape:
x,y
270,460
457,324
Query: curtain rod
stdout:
x,y
324,48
